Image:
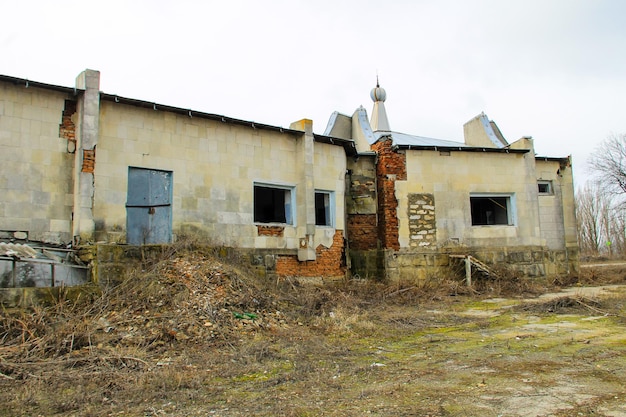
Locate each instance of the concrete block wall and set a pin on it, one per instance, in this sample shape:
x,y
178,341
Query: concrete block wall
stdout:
x,y
452,176
215,166
111,263
367,264
556,209
411,265
36,194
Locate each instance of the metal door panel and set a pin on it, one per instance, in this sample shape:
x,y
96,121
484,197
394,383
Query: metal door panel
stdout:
x,y
148,225
137,225
160,192
160,225
148,208
138,187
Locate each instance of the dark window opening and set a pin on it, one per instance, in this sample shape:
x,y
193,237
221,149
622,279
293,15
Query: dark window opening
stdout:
x,y
322,209
490,211
544,187
272,205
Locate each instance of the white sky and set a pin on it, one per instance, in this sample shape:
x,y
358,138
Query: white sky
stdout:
x,y
551,69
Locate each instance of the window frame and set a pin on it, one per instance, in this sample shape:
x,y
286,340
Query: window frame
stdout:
x,y
547,183
329,208
511,208
289,204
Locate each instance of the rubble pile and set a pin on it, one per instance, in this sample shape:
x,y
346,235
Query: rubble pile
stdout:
x,y
191,299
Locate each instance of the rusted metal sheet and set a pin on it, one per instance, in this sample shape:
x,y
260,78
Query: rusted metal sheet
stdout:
x,y
27,265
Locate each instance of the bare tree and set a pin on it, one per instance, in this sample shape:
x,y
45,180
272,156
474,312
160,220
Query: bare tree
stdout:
x,y
602,205
618,230
601,221
587,216
609,163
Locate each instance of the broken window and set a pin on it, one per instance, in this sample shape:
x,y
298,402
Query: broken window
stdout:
x,y
273,204
323,208
544,187
491,210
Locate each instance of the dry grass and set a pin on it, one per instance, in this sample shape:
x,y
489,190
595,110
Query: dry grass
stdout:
x,y
190,335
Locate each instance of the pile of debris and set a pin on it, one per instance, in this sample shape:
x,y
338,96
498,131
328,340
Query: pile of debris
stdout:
x,y
190,298
194,299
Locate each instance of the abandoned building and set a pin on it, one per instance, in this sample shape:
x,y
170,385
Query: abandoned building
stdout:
x,y
85,169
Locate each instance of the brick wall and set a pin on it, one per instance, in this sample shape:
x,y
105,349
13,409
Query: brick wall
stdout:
x,y
390,162
276,231
89,160
391,167
362,231
67,128
329,262
362,204
387,214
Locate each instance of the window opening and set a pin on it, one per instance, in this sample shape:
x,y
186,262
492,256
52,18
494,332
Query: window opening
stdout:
x,y
273,204
544,187
323,208
491,210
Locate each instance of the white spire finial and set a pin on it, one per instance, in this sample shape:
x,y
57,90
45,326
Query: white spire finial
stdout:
x,y
379,115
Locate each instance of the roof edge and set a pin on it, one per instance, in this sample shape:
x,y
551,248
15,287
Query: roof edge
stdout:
x,y
348,145
567,160
193,113
28,83
460,149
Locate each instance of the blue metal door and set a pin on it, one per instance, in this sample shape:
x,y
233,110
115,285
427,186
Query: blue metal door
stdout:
x,y
148,206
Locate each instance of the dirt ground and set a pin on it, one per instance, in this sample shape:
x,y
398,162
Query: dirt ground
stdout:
x,y
193,336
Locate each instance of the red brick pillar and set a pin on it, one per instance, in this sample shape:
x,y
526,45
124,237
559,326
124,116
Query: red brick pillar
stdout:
x,y
391,167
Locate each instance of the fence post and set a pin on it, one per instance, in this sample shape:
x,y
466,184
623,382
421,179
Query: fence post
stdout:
x,y
468,271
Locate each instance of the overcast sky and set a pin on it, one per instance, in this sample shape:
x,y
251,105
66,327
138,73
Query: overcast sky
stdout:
x,y
551,69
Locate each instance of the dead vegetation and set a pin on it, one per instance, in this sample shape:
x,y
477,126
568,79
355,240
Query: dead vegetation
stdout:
x,y
191,334
570,305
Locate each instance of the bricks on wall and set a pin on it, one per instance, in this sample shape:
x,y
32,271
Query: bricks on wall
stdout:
x,y
387,215
362,204
329,262
390,161
422,225
362,231
391,167
276,231
89,160
67,128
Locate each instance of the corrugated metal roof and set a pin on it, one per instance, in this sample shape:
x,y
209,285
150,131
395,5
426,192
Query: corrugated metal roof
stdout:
x,y
402,139
15,250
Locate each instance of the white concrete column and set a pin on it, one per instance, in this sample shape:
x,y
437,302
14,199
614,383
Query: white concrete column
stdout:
x,y
88,109
306,250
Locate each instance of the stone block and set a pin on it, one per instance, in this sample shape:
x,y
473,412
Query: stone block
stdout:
x,y
40,197
60,225
19,235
